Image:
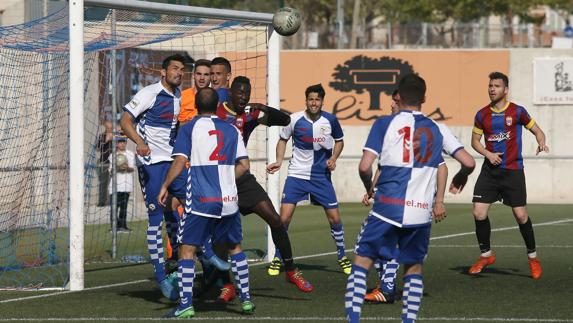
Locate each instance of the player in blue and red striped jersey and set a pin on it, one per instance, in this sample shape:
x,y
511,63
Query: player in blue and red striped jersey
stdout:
x,y
410,191
317,144
502,176
252,197
217,156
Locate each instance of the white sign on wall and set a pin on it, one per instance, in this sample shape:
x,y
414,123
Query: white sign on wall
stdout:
x,y
553,80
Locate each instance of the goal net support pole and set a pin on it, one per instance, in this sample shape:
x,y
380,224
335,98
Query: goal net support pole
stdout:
x,y
76,149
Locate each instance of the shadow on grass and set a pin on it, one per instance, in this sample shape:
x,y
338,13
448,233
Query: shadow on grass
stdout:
x,y
490,270
307,267
152,296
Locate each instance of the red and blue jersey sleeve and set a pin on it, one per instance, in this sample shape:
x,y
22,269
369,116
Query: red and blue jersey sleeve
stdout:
x,y
524,118
478,123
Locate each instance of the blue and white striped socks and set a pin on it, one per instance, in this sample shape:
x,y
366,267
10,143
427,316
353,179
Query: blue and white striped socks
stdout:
x,y
155,248
388,281
186,275
240,270
412,297
337,233
355,291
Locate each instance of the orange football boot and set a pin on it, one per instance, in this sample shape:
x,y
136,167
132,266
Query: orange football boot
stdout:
x,y
228,293
481,264
535,267
295,277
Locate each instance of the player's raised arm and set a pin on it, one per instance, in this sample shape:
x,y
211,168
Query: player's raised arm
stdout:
x,y
439,210
271,116
540,138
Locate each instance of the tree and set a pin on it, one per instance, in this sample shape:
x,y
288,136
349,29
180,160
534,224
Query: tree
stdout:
x,y
362,73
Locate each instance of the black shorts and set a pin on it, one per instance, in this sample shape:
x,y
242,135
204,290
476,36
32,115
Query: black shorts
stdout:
x,y
499,184
251,193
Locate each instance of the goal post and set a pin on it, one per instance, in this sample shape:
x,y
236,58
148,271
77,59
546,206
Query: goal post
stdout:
x,y
76,145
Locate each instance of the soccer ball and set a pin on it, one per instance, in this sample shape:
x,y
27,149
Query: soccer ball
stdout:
x,y
286,21
121,160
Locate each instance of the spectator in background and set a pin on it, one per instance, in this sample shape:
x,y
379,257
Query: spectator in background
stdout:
x,y
568,30
104,151
125,166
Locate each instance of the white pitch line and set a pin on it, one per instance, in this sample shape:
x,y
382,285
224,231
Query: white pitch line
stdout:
x,y
500,229
304,319
499,246
259,264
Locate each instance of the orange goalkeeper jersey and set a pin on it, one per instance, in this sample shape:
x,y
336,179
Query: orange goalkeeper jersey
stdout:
x,y
188,109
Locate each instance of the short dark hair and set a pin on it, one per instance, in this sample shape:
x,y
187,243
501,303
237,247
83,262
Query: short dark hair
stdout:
x,y
222,61
206,100
241,80
394,93
317,88
176,57
499,76
202,62
412,89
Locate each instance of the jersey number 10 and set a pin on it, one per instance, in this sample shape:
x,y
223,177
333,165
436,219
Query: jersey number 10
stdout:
x,y
406,141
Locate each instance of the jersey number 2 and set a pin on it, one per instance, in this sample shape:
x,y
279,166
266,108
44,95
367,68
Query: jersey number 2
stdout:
x,y
215,154
406,142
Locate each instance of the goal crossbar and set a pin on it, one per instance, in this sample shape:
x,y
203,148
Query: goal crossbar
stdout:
x,y
180,10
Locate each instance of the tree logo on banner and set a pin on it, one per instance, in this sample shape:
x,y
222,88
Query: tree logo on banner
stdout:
x,y
362,73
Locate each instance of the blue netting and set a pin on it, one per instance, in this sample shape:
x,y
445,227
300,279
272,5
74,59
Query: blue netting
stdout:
x,y
51,33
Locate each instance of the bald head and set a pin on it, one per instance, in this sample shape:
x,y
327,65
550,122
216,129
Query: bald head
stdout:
x,y
206,101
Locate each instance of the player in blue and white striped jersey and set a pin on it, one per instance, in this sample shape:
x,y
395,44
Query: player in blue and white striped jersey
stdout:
x,y
410,191
150,120
217,156
387,269
317,144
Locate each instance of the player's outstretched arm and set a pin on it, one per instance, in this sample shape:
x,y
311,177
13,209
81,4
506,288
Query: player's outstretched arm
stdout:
x,y
468,164
280,155
126,123
540,137
241,167
439,209
175,170
272,117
